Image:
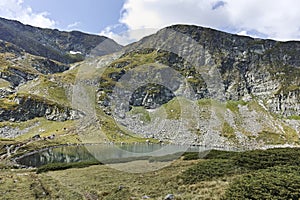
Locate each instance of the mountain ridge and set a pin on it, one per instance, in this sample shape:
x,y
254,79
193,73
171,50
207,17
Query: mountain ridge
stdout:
x,y
52,43
188,85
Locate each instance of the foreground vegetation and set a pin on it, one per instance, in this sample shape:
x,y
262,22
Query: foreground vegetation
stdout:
x,y
259,174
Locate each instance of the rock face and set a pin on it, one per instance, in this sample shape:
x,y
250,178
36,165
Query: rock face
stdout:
x,y
243,66
231,90
184,84
24,108
54,44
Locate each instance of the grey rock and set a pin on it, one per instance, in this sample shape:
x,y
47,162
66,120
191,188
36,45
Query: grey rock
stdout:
x,y
169,197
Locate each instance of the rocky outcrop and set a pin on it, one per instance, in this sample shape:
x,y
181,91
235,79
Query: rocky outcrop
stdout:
x,y
4,92
47,66
25,107
246,89
13,132
231,67
17,76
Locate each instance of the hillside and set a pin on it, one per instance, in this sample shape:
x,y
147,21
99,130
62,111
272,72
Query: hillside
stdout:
x,y
193,85
54,44
183,85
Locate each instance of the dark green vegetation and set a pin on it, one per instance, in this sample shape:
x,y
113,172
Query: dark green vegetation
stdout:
x,y
63,166
258,174
280,182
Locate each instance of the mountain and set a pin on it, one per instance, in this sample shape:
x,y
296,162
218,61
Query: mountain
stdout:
x,y
184,84
215,88
53,44
265,69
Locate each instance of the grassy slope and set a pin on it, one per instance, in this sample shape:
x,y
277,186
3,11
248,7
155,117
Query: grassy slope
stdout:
x,y
102,182
219,174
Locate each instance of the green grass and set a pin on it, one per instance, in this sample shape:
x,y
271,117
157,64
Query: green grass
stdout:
x,y
190,156
228,131
117,133
211,170
234,105
173,109
4,83
262,159
219,154
294,117
44,128
270,137
7,104
259,174
142,112
45,88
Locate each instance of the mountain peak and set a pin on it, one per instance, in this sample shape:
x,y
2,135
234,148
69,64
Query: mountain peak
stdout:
x,y
52,43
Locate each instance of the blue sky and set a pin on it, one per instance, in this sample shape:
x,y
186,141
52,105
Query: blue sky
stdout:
x,y
87,15
129,20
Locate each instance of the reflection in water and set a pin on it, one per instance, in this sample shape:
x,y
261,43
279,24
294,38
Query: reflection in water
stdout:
x,y
105,153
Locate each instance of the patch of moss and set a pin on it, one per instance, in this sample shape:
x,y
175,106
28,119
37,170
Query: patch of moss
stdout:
x,y
228,131
270,137
117,133
173,109
294,117
142,112
291,134
234,105
43,127
7,104
4,83
43,88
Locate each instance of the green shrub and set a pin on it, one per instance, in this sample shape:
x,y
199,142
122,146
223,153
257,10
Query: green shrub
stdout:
x,y
219,154
63,166
190,156
209,169
280,182
261,159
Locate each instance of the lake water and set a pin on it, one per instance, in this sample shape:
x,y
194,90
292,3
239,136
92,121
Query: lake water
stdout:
x,y
106,153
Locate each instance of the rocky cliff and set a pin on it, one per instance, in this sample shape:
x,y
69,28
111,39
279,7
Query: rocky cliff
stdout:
x,y
246,66
54,44
184,84
189,84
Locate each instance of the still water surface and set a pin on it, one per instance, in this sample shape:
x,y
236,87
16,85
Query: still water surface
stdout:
x,y
105,153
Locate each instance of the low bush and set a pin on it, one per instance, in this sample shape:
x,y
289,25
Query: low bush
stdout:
x,y
190,156
280,182
210,169
219,154
63,166
261,159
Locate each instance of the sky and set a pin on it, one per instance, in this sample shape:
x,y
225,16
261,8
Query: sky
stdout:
x,y
129,20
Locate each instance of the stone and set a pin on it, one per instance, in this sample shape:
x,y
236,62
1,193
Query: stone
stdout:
x,y
169,197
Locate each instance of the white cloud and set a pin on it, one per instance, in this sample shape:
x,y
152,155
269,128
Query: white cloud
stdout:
x,y
128,36
14,9
278,19
73,25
